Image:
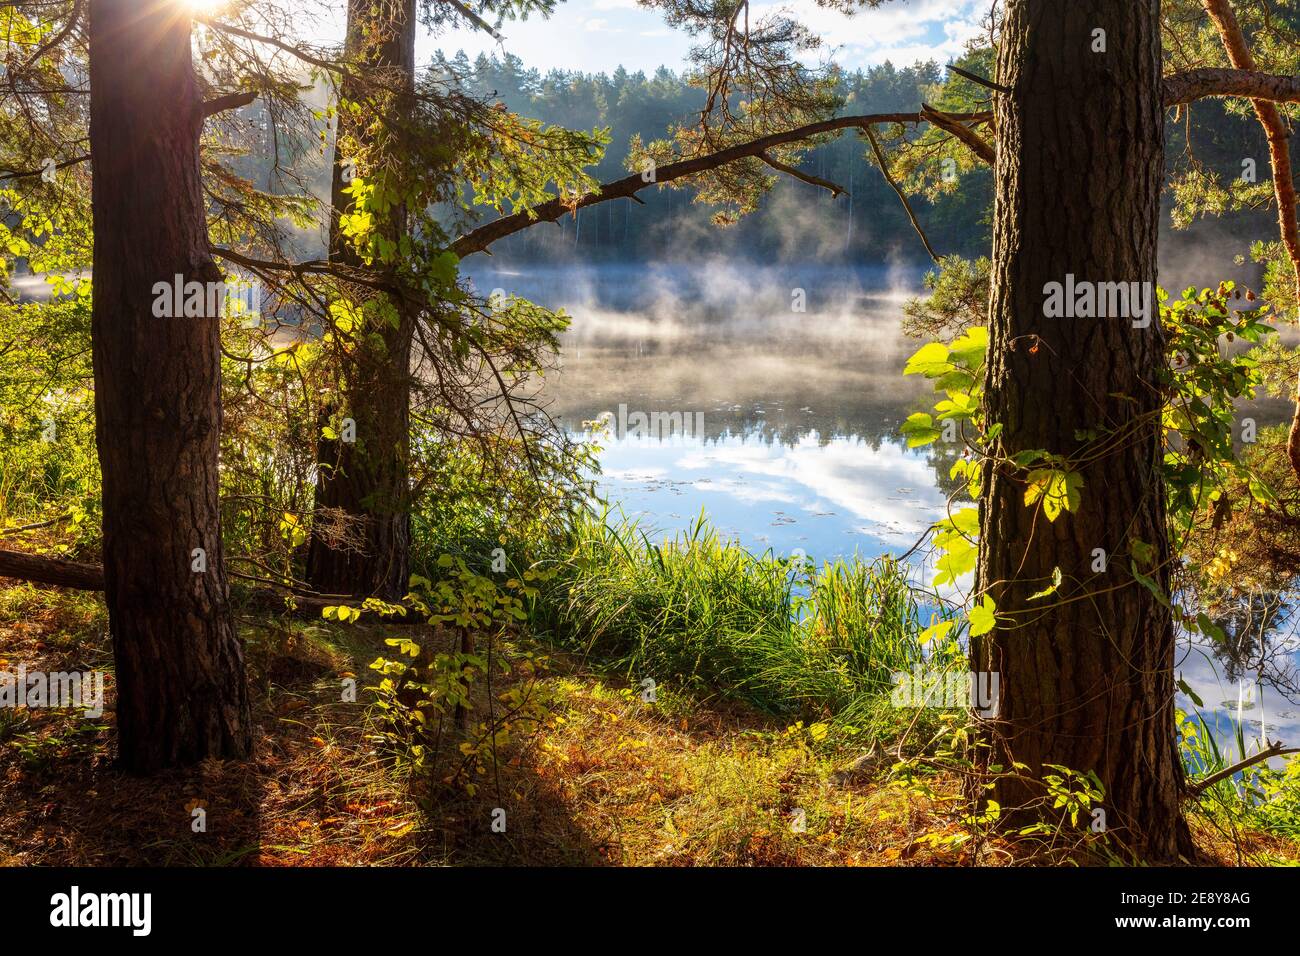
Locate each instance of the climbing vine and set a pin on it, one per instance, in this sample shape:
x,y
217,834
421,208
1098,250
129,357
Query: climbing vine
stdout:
x,y
1207,374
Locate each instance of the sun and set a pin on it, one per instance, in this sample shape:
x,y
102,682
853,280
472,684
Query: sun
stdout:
x,y
205,7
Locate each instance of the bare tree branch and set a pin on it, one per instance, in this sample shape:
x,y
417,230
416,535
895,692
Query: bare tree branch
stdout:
x,y
950,123
230,101
475,19
296,51
834,189
271,596
884,169
57,571
979,80
1274,749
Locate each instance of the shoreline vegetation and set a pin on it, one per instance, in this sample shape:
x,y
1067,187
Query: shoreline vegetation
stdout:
x,y
676,702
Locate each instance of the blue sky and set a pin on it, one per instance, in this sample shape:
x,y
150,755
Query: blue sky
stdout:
x,y
599,35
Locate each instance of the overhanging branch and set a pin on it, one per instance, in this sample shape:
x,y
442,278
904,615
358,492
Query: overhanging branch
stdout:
x,y
29,173
479,239
1180,88
230,101
834,189
951,123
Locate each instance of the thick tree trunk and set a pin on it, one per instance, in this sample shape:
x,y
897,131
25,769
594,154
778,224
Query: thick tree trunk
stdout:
x,y
363,488
180,667
1086,677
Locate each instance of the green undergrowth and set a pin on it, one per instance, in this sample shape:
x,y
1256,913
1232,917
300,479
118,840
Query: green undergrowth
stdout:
x,y
702,614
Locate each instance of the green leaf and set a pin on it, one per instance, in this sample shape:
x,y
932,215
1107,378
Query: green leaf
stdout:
x,y
1210,629
959,558
1058,490
920,430
959,406
982,617
957,379
1191,694
967,521
970,349
936,632
1046,592
930,360
1029,456
1262,492
1150,585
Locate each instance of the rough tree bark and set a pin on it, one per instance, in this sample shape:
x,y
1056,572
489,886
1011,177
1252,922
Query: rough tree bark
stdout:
x,y
182,695
1087,680
368,482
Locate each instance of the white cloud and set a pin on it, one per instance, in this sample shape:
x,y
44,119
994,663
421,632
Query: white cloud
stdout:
x,y
632,36
846,473
902,32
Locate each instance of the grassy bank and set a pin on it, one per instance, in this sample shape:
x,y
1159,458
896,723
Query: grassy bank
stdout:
x,y
705,615
606,778
767,736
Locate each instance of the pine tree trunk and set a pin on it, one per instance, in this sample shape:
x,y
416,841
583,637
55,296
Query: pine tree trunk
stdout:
x,y
182,694
1086,679
368,482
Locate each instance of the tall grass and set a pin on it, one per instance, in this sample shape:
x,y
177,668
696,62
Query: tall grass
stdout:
x,y
704,614
1261,796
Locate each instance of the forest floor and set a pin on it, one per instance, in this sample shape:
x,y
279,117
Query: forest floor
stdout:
x,y
604,779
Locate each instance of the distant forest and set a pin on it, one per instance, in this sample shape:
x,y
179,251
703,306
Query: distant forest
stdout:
x,y
797,221
868,225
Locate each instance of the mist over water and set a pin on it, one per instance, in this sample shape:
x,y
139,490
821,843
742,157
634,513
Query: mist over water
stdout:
x,y
800,410
799,445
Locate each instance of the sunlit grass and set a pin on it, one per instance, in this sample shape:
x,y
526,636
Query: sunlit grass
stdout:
x,y
705,614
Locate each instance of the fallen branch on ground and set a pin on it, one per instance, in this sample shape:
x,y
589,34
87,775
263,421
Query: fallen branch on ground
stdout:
x,y
59,572
36,526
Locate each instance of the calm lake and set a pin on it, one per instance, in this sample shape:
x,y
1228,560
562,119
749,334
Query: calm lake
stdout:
x,y
791,426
